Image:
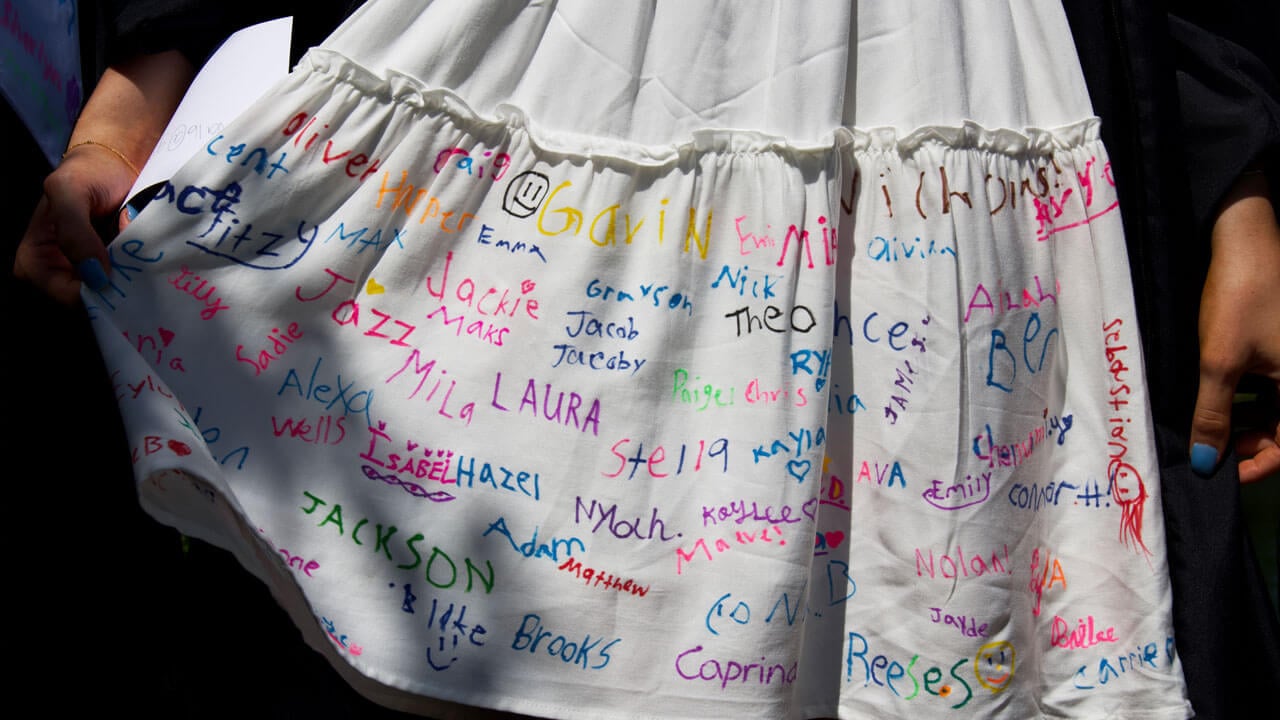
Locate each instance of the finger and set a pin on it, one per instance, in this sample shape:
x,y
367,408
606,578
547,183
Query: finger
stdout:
x,y
1264,464
48,270
70,214
38,259
1259,447
1211,423
37,230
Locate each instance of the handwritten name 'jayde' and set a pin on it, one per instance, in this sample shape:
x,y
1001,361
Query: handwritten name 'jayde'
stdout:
x,y
967,625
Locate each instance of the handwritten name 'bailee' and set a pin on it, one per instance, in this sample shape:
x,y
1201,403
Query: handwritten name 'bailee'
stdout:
x,y
1083,636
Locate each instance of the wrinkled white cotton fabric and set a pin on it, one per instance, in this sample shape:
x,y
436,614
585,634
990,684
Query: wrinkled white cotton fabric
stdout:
x,y
667,360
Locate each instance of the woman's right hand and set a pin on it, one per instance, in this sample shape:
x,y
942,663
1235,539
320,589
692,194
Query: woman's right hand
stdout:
x,y
117,130
61,247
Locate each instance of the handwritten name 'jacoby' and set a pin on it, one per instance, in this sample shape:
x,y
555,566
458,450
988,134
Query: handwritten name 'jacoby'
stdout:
x,y
587,326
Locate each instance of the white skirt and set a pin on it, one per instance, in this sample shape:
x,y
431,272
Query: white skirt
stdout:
x,y
667,360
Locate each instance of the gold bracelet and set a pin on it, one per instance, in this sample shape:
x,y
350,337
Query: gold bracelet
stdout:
x,y
109,149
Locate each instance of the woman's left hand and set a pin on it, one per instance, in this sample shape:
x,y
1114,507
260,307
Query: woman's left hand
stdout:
x,y
1239,329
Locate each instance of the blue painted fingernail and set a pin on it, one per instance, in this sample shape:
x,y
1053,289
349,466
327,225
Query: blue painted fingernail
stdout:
x,y
130,212
92,274
1203,458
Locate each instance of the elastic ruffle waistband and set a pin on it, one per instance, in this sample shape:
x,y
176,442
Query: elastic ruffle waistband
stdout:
x,y
407,91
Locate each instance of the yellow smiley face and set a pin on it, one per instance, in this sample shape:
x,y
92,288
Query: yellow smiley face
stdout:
x,y
994,665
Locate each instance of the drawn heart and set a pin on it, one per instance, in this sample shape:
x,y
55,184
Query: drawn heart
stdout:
x,y
179,448
527,286
799,469
373,288
166,336
819,384
833,538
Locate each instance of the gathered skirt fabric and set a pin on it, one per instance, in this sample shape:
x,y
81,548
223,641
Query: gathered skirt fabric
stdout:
x,y
666,361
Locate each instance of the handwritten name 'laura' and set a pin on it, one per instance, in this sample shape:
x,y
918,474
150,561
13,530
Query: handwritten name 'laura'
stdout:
x,y
561,414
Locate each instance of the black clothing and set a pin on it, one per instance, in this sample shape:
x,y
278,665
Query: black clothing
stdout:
x,y
1188,99
113,30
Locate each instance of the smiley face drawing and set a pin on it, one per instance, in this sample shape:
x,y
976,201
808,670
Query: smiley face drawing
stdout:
x,y
447,665
994,665
1128,490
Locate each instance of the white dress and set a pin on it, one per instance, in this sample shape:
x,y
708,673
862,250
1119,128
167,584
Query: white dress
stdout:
x,y
655,359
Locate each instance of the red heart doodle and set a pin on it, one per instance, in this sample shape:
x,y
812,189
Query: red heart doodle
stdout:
x,y
179,448
833,538
526,286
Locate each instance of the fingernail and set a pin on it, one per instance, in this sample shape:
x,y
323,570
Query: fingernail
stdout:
x,y
1203,458
92,274
130,212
